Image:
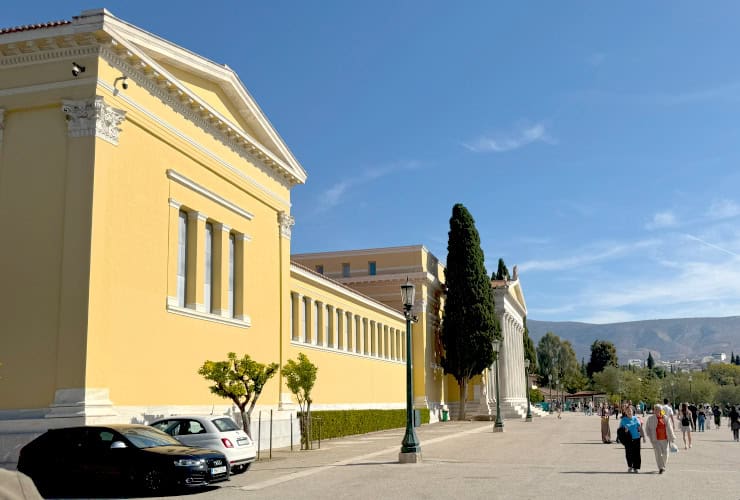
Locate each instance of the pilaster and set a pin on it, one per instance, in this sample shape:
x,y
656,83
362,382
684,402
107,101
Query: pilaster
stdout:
x,y
196,262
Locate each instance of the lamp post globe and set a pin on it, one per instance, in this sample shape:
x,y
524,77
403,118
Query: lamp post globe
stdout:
x,y
499,425
410,447
526,389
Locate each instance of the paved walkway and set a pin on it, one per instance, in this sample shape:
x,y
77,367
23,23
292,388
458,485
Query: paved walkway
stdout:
x,y
548,458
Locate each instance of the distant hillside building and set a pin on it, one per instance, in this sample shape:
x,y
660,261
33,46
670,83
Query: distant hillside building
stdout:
x,y
638,363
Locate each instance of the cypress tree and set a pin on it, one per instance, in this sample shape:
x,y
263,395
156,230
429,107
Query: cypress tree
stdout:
x,y
469,324
502,273
650,361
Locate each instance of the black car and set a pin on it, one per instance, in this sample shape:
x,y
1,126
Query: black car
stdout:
x,y
117,458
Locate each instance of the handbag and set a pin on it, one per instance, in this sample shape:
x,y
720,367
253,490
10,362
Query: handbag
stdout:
x,y
673,448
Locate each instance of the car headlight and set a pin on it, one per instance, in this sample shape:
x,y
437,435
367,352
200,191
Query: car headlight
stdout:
x,y
190,462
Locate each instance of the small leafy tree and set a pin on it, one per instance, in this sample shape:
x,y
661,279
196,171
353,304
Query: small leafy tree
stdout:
x,y
300,378
241,380
603,354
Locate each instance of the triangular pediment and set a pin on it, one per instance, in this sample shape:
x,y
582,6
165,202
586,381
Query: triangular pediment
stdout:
x,y
215,86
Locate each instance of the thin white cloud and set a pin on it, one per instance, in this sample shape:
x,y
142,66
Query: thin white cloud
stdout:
x,y
510,141
335,194
586,256
678,278
711,245
662,220
723,209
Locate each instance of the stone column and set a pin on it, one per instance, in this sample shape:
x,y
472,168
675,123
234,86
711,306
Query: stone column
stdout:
x,y
309,335
295,302
373,338
350,333
340,328
320,323
331,336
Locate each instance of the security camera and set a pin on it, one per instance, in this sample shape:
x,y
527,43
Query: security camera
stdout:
x,y
77,69
123,80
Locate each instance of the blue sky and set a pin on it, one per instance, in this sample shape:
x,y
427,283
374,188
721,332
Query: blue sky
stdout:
x,y
594,143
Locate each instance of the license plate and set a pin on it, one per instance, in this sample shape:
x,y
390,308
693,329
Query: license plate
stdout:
x,y
242,441
218,470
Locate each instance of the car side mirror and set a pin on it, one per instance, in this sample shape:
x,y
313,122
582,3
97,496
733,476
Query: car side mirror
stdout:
x,y
117,445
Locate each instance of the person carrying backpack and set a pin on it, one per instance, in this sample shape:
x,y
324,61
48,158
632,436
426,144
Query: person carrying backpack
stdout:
x,y
684,416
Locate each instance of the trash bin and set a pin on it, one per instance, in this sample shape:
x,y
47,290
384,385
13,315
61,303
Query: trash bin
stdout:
x,y
445,415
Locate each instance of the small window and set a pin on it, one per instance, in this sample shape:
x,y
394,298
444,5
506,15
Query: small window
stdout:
x,y
320,268
345,270
371,270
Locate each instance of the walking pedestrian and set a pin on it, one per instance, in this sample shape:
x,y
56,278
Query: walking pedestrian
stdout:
x,y
717,415
735,423
684,416
702,417
606,435
660,432
630,438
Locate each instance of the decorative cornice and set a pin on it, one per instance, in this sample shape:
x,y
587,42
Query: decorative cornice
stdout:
x,y
194,186
148,75
35,52
93,117
286,222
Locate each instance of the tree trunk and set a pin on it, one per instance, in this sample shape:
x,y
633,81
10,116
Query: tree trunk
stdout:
x,y
246,422
463,398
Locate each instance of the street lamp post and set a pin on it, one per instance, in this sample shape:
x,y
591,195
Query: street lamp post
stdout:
x,y
549,379
526,389
691,393
410,447
499,425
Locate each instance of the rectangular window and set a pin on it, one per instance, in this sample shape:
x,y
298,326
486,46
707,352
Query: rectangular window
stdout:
x,y
232,275
345,270
207,288
371,268
320,268
182,258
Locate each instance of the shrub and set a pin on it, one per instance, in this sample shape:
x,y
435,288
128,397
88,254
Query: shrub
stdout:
x,y
337,423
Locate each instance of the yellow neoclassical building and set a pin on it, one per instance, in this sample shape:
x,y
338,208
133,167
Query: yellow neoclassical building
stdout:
x,y
145,204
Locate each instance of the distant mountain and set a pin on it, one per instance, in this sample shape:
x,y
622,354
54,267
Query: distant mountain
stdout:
x,y
667,339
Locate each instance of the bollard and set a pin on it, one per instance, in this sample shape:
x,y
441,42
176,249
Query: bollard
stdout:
x,y
259,433
270,434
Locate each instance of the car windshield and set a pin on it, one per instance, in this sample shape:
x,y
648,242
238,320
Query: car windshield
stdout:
x,y
225,424
144,437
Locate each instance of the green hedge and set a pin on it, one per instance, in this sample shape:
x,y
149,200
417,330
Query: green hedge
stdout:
x,y
337,423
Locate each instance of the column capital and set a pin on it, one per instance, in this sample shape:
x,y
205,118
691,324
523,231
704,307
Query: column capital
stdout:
x,y
93,117
286,222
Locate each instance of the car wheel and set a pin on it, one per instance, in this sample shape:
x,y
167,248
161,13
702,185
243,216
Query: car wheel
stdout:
x,y
152,481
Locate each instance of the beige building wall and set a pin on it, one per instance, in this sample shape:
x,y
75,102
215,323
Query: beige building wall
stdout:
x,y
92,180
379,273
356,342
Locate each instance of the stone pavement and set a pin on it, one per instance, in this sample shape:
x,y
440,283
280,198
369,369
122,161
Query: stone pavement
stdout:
x,y
547,458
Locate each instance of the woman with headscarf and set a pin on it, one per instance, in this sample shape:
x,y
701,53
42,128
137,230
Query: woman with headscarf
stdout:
x,y
604,414
660,433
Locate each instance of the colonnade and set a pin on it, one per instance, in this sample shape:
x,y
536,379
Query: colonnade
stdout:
x,y
324,325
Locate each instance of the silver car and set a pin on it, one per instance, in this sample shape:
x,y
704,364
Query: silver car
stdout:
x,y
215,432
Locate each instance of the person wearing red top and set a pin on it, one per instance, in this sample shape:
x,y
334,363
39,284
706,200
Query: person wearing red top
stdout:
x,y
659,430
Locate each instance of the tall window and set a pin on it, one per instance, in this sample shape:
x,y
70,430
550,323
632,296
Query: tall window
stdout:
x,y
182,258
207,288
371,268
345,270
232,274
